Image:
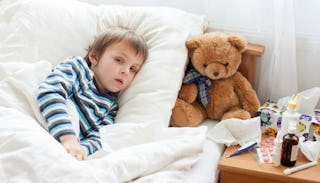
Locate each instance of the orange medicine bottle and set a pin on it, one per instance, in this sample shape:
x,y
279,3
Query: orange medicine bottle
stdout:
x,y
289,153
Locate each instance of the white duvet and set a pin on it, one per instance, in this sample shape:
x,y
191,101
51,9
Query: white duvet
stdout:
x,y
142,152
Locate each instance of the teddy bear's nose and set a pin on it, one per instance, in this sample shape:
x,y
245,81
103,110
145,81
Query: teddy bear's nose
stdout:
x,y
216,73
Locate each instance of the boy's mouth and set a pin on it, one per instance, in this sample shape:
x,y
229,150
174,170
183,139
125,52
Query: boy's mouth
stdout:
x,y
119,81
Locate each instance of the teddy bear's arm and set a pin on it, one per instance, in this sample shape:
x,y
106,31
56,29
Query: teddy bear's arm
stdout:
x,y
188,92
246,94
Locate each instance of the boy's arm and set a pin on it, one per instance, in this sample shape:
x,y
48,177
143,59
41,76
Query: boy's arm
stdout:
x,y
92,142
73,147
52,96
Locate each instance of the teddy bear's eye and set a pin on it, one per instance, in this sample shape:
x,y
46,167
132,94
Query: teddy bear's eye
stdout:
x,y
205,65
226,64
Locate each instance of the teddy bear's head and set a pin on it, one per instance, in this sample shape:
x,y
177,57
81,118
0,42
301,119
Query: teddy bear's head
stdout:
x,y
215,54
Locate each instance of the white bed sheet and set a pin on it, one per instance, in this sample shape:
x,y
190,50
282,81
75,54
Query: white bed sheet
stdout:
x,y
206,169
29,154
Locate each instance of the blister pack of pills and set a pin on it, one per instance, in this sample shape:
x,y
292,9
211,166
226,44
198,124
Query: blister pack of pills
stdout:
x,y
265,150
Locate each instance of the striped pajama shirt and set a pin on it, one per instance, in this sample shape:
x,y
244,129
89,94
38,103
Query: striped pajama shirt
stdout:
x,y
73,79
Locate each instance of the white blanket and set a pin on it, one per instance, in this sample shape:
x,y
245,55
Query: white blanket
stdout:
x,y
133,152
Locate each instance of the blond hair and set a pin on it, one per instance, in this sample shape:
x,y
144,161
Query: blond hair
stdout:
x,y
114,35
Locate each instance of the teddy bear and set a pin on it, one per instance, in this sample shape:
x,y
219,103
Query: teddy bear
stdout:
x,y
212,87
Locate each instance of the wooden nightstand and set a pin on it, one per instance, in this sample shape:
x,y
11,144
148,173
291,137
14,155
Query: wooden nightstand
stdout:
x,y
244,168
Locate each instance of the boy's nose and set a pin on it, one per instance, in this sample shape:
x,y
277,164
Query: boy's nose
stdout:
x,y
125,71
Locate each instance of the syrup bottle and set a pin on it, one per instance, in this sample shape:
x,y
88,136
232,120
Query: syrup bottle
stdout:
x,y
289,153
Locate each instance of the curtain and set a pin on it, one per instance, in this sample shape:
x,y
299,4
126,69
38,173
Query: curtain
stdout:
x,y
280,78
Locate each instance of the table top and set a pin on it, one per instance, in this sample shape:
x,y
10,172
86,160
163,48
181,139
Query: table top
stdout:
x,y
247,163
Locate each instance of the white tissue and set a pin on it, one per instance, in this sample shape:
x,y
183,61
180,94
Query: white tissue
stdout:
x,y
310,149
308,100
236,131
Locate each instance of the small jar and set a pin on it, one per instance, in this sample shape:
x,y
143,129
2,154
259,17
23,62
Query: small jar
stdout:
x,y
289,153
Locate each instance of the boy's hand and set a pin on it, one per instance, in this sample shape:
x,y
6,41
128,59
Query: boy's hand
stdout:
x,y
73,147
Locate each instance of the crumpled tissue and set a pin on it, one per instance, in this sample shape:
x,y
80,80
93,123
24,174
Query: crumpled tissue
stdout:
x,y
308,100
310,149
236,131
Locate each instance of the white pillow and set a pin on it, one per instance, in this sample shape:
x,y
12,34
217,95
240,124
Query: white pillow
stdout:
x,y
32,30
45,30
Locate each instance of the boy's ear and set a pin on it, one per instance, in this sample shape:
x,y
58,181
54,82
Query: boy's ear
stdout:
x,y
93,57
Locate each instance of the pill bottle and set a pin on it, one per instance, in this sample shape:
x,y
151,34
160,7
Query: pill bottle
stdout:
x,y
289,150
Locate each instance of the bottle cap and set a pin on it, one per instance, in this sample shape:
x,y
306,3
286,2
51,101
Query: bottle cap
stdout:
x,y
293,103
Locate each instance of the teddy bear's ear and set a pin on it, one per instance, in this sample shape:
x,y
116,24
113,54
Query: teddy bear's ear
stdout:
x,y
192,44
239,42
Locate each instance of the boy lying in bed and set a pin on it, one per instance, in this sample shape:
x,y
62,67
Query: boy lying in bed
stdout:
x,y
91,83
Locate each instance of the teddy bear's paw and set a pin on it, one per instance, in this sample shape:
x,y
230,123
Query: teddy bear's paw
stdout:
x,y
185,115
188,93
240,114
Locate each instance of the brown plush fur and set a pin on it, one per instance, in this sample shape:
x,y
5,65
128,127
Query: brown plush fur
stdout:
x,y
216,56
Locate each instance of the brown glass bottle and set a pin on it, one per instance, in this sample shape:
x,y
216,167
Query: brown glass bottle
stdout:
x,y
289,153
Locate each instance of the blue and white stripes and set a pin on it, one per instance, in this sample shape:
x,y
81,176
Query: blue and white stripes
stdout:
x,y
73,79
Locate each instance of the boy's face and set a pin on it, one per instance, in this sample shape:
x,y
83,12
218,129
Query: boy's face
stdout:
x,y
115,69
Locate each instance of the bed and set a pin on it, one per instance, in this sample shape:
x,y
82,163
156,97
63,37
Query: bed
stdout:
x,y
35,35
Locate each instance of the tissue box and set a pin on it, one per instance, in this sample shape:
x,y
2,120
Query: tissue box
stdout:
x,y
270,121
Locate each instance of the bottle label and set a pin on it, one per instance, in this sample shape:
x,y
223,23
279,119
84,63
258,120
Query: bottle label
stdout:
x,y
294,153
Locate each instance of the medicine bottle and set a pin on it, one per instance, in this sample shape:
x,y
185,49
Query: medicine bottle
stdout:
x,y
289,115
289,152
276,153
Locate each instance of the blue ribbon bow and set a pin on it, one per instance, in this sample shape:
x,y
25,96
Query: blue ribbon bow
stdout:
x,y
203,85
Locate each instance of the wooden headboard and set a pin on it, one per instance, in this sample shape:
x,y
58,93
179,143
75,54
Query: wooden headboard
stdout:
x,y
249,59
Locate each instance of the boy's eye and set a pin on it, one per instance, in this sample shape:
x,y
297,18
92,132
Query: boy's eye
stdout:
x,y
133,69
119,60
